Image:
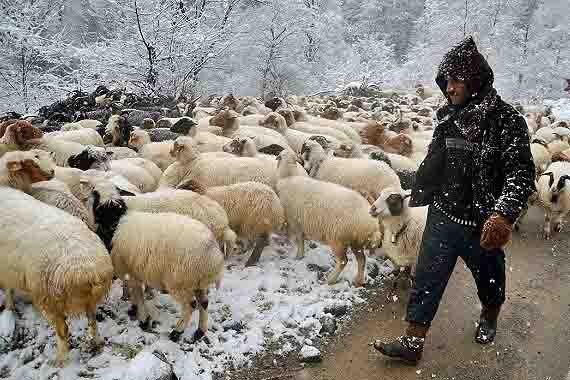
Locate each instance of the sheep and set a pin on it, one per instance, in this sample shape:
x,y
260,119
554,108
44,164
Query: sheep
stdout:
x,y
229,122
62,149
193,205
403,227
327,212
245,147
321,130
157,152
140,172
119,129
540,155
162,250
348,128
367,177
294,138
375,134
120,152
558,146
553,195
253,209
212,171
66,270
85,136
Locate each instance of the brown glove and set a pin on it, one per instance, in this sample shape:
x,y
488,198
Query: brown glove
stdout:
x,y
496,233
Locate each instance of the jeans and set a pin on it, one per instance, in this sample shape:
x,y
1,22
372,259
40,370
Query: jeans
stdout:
x,y
443,242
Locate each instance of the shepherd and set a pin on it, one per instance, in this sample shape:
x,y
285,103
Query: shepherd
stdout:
x,y
476,179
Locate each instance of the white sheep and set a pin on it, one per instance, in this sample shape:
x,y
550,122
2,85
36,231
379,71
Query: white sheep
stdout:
x,y
554,195
367,177
84,136
191,204
157,152
324,211
162,250
540,155
213,171
403,227
62,149
59,262
253,209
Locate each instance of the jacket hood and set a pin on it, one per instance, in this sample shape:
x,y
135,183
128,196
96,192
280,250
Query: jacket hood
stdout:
x,y
465,62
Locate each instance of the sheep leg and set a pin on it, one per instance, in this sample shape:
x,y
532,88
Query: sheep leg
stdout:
x,y
126,295
135,288
341,261
260,244
188,304
547,218
62,333
558,222
361,265
8,300
300,242
96,341
202,298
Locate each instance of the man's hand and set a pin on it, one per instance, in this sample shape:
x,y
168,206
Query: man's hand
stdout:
x,y
496,233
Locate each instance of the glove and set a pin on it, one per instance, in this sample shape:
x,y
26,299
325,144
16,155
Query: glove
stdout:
x,y
496,232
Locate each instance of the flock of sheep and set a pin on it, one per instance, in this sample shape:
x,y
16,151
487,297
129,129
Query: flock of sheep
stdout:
x,y
159,201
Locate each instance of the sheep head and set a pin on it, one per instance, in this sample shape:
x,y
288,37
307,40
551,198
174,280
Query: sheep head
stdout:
x,y
223,117
373,133
5,124
184,150
288,115
184,126
311,153
118,127
138,138
148,123
300,115
391,202
274,121
344,150
27,167
287,158
20,132
230,102
275,103
90,158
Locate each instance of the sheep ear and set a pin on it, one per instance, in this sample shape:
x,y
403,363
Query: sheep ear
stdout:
x,y
109,153
14,166
125,193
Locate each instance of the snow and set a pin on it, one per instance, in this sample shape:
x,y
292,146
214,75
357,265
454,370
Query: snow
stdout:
x,y
560,107
309,352
279,302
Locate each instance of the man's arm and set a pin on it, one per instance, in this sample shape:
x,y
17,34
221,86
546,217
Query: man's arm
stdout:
x,y
518,169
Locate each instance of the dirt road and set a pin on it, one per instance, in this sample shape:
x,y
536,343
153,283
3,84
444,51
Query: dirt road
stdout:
x,y
533,341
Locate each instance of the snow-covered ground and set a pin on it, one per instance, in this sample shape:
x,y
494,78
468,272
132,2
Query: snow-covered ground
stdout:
x,y
282,300
560,107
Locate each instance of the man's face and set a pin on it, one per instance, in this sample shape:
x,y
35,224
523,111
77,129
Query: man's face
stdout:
x,y
457,91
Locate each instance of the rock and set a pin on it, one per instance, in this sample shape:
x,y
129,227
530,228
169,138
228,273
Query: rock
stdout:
x,y
26,355
310,354
336,310
149,366
316,268
328,325
231,324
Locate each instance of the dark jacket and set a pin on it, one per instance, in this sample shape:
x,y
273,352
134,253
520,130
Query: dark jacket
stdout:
x,y
494,170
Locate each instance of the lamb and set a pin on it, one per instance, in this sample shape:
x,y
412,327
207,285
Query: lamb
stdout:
x,y
553,195
403,227
326,212
367,177
294,138
253,209
212,171
162,250
157,152
66,270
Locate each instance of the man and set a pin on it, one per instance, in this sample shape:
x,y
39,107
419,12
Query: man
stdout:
x,y
476,178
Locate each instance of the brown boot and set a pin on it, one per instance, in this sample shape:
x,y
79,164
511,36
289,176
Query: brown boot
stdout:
x,y
408,347
487,328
